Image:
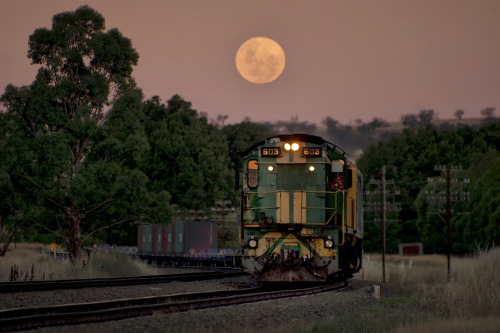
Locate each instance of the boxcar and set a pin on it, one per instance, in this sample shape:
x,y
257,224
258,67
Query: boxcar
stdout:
x,y
178,238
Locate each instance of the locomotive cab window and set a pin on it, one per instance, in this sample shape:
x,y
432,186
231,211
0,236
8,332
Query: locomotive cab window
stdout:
x,y
338,166
253,173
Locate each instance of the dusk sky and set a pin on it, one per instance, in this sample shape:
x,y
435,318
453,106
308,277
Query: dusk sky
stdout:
x,y
344,59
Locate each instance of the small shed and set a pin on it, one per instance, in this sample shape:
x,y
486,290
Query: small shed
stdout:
x,y
411,249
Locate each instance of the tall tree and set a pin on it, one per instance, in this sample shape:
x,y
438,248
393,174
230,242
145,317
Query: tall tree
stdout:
x,y
189,156
459,114
56,122
488,112
241,136
10,201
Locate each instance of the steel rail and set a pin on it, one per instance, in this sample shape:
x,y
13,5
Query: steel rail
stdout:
x,y
23,286
71,314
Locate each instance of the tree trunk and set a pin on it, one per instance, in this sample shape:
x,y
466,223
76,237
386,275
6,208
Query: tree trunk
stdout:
x,y
75,242
5,246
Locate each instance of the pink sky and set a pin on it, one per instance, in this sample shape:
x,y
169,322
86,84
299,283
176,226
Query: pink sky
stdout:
x,y
344,59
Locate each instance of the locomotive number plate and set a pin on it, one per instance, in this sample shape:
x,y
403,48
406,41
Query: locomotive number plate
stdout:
x,y
311,151
271,151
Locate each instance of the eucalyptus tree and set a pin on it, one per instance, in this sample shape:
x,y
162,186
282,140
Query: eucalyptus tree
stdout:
x,y
70,184
189,156
242,136
9,199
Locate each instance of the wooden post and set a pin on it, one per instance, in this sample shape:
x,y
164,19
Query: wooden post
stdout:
x,y
376,291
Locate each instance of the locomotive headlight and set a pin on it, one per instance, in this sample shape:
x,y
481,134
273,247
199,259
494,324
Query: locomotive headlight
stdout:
x,y
312,168
270,168
252,243
294,146
329,242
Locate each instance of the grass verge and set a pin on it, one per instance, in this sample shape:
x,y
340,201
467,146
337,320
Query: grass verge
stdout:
x,y
35,262
423,299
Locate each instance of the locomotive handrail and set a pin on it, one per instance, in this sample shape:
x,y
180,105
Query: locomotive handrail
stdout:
x,y
303,205
305,191
261,207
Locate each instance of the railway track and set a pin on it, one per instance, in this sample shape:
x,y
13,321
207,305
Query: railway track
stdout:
x,y
71,314
23,286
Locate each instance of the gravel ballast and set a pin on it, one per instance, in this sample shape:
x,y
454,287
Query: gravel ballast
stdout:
x,y
250,317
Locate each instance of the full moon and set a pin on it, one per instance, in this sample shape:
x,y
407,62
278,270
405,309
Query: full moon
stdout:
x,y
260,60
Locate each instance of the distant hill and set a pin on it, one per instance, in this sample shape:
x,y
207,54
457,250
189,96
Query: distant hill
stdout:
x,y
398,126
455,121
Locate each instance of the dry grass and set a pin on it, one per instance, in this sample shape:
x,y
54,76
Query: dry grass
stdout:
x,y
473,288
427,301
405,271
468,302
35,262
457,325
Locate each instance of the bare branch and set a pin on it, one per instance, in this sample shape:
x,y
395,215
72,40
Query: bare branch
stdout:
x,y
96,208
104,228
26,176
38,224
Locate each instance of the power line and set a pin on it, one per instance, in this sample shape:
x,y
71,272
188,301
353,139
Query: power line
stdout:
x,y
448,196
382,200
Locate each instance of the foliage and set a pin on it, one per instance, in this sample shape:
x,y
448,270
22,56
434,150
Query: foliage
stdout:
x,y
414,154
62,180
189,156
241,137
291,126
353,138
480,227
424,118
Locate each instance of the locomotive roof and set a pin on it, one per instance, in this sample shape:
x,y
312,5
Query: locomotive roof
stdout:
x,y
297,137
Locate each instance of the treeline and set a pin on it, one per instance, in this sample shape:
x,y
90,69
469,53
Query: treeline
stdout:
x,y
85,157
415,159
412,157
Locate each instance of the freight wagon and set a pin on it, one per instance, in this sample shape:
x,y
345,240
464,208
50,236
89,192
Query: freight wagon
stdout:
x,y
181,243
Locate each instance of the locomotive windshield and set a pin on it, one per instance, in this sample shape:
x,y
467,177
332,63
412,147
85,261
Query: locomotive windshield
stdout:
x,y
253,173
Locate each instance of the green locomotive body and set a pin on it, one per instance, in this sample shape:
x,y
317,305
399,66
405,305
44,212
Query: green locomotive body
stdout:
x,y
301,210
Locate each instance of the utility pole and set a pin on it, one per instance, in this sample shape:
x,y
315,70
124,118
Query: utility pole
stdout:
x,y
384,218
448,220
448,197
372,204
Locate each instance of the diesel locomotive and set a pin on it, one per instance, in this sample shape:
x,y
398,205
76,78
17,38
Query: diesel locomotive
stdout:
x,y
301,210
